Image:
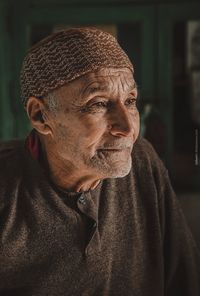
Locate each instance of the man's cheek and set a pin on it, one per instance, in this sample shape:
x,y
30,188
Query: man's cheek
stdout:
x,y
93,127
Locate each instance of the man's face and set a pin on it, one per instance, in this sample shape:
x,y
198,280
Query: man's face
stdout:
x,y
97,123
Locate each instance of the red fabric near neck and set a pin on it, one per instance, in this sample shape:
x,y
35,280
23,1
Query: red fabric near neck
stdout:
x,y
32,144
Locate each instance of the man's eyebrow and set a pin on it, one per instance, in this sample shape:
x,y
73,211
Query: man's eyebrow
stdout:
x,y
132,87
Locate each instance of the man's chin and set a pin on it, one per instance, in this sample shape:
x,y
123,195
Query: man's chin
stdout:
x,y
118,170
108,167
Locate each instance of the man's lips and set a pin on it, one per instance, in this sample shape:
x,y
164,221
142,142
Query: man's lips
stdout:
x,y
113,149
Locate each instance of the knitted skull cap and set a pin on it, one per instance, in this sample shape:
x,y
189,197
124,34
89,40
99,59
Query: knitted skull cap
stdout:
x,y
67,55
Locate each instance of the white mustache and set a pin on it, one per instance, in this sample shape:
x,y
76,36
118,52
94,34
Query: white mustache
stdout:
x,y
116,145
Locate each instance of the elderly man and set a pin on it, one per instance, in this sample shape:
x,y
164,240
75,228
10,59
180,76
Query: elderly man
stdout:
x,y
86,206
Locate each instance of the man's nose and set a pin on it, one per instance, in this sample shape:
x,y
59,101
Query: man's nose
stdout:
x,y
122,121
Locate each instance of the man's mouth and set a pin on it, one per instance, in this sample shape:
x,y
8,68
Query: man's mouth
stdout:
x,y
113,150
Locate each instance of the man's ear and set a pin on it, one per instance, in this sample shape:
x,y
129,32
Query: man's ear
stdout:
x,y
35,110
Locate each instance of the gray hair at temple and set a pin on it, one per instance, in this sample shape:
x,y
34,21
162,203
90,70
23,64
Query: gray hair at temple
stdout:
x,y
65,56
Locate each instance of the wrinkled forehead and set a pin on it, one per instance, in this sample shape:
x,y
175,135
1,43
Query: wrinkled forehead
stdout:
x,y
108,72
104,81
108,78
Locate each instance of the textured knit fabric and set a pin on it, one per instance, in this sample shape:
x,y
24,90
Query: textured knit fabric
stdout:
x,y
126,237
67,55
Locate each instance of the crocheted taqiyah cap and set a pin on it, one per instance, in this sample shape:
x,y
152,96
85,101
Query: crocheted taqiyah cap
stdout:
x,y
67,55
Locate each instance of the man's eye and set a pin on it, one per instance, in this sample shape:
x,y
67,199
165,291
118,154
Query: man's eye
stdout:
x,y
131,102
98,104
95,107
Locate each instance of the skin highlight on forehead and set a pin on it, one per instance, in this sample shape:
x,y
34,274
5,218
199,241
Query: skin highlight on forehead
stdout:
x,y
95,87
98,81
